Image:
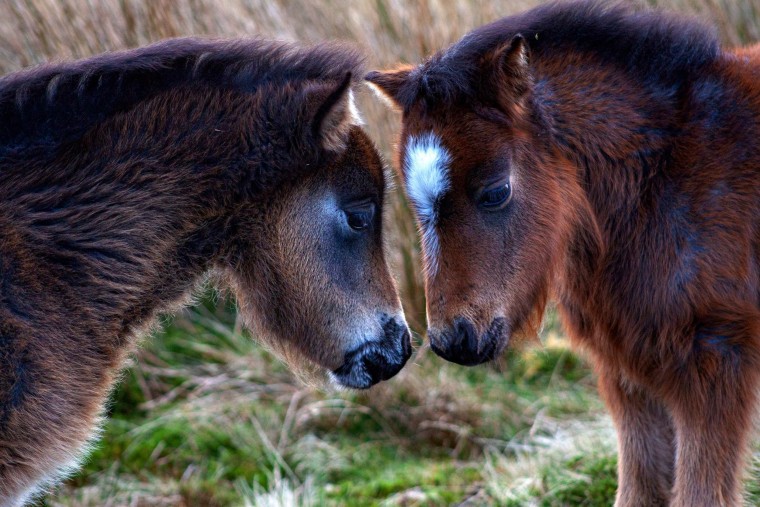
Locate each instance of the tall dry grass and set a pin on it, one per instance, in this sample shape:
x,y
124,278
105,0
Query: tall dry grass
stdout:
x,y
390,31
434,409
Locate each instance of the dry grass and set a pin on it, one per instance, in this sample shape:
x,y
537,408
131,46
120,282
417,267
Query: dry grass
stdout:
x,y
464,419
548,443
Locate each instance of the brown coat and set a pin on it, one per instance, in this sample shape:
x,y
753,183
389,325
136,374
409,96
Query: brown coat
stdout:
x,y
610,159
126,178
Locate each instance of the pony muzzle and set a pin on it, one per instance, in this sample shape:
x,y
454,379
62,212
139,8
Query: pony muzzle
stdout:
x,y
377,360
461,344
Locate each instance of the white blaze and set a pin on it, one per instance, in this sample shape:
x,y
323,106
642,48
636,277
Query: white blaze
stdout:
x,y
427,180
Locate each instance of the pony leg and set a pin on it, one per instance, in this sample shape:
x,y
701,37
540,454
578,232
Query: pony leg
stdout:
x,y
713,418
646,451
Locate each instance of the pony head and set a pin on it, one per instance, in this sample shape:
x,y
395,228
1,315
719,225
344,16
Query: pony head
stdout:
x,y
308,262
490,197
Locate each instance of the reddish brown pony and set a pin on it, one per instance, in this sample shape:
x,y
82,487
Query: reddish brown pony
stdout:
x,y
126,178
609,159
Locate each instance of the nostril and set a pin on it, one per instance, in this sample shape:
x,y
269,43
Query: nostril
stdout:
x,y
497,337
375,365
467,337
396,337
392,331
406,344
437,341
461,343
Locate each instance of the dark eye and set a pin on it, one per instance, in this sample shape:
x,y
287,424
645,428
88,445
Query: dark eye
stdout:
x,y
495,198
361,218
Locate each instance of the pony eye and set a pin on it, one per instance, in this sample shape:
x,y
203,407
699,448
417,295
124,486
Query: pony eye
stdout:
x,y
361,218
495,198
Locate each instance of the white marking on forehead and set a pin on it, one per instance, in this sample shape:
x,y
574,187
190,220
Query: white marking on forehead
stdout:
x,y
426,169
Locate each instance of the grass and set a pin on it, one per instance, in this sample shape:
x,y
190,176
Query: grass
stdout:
x,y
204,416
207,417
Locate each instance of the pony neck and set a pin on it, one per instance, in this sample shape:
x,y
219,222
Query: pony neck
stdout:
x,y
129,217
615,137
618,132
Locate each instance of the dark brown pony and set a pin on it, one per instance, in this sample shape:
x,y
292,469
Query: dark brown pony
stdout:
x,y
126,178
609,159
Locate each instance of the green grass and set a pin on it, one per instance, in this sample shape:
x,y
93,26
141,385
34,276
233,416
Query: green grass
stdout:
x,y
206,417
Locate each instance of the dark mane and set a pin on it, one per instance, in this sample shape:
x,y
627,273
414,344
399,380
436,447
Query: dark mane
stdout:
x,y
659,48
46,105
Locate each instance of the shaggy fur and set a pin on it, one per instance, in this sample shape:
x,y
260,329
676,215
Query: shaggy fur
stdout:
x,y
126,177
632,141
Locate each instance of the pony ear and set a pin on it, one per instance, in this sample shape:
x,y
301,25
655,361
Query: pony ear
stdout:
x,y
507,76
389,84
333,112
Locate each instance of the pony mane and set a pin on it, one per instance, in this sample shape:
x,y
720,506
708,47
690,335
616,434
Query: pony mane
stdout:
x,y
658,48
52,103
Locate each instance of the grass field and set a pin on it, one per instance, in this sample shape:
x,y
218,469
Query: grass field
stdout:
x,y
204,416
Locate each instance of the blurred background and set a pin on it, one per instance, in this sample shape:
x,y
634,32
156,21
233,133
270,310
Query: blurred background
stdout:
x,y
204,416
